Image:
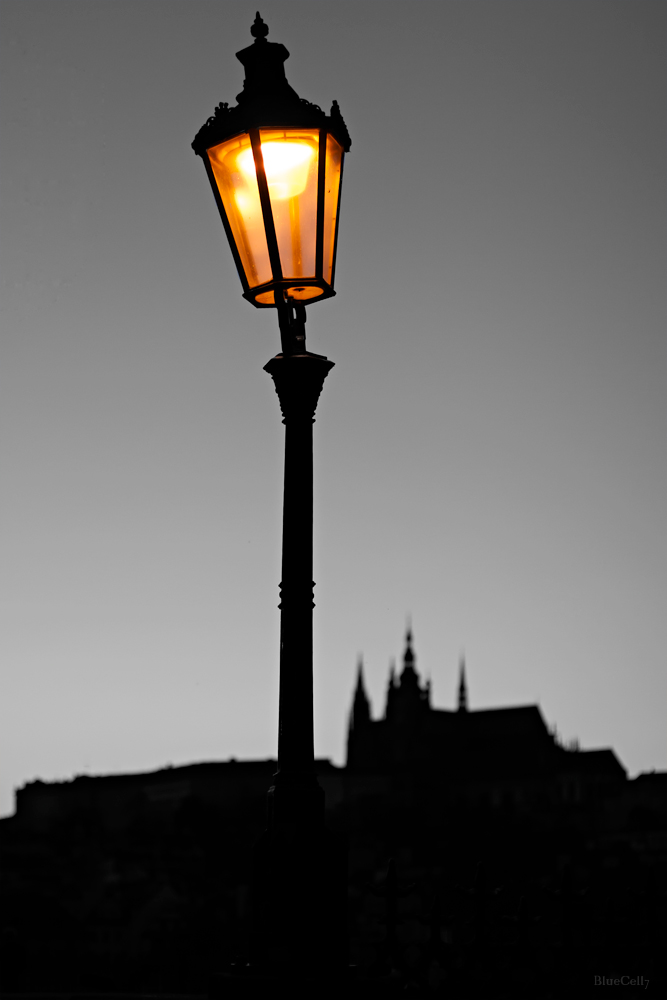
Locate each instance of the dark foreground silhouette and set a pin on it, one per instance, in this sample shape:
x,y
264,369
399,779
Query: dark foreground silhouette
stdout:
x,y
484,860
477,902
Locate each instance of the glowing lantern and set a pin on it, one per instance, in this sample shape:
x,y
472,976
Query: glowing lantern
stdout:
x,y
275,164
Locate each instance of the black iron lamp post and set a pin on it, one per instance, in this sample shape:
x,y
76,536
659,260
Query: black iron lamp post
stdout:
x,y
275,164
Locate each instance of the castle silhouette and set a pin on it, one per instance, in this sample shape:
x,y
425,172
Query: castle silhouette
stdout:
x,y
500,756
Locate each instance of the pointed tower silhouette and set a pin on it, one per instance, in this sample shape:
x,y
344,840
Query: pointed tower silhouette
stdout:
x,y
360,717
361,706
463,688
406,699
409,674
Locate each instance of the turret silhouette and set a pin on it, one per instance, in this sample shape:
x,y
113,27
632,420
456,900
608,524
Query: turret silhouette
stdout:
x,y
361,708
360,716
406,699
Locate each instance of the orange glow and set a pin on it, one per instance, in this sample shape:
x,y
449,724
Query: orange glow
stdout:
x,y
286,165
240,198
334,162
290,161
303,294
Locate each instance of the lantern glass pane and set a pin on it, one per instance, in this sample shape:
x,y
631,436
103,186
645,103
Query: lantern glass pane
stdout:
x,y
331,188
234,172
290,162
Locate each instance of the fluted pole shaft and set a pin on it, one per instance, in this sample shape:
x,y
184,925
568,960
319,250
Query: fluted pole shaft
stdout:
x,y
295,797
299,867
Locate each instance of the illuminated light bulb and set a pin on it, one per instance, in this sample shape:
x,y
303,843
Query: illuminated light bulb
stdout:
x,y
286,165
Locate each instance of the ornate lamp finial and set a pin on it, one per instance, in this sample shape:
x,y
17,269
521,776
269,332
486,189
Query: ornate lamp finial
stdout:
x,y
259,30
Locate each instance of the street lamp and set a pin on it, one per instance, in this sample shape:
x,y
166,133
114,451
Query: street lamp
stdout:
x,y
275,164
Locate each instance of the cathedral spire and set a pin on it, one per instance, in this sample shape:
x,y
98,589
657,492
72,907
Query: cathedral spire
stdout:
x,y
361,709
408,656
406,698
360,716
463,688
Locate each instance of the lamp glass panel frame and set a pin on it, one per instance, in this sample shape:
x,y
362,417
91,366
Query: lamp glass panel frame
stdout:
x,y
278,193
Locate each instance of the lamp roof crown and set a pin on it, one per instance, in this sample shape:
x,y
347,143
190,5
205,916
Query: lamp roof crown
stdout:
x,y
267,98
263,62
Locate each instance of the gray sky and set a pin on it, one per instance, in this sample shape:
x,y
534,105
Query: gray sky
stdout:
x,y
489,447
